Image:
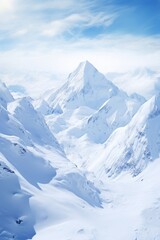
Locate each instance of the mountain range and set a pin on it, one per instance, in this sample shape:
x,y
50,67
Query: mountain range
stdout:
x,y
81,162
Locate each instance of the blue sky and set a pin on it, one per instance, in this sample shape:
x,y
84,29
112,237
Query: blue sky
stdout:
x,y
115,35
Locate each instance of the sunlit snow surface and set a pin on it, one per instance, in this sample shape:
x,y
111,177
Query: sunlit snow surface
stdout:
x,y
81,164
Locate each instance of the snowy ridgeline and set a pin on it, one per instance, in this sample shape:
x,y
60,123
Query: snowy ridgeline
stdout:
x,y
75,163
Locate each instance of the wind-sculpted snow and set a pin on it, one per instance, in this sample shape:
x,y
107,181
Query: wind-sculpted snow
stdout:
x,y
33,168
80,186
16,220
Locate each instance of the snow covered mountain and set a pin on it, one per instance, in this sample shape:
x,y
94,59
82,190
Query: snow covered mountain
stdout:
x,y
116,112
32,121
84,87
88,91
75,164
132,147
86,110
42,106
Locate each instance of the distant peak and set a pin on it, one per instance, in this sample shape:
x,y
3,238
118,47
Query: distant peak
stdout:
x,y
157,100
5,95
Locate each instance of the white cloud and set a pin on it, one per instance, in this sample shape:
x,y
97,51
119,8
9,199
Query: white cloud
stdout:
x,y
103,19
35,19
79,21
112,53
57,27
108,53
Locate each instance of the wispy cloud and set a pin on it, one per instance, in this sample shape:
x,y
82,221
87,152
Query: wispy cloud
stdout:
x,y
108,53
77,22
57,27
50,19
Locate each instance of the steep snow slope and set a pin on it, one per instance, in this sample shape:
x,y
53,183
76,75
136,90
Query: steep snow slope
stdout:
x,y
5,96
132,147
115,112
16,143
28,147
34,123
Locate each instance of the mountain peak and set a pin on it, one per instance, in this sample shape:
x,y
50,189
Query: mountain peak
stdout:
x,y
86,65
85,72
86,86
5,95
154,105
